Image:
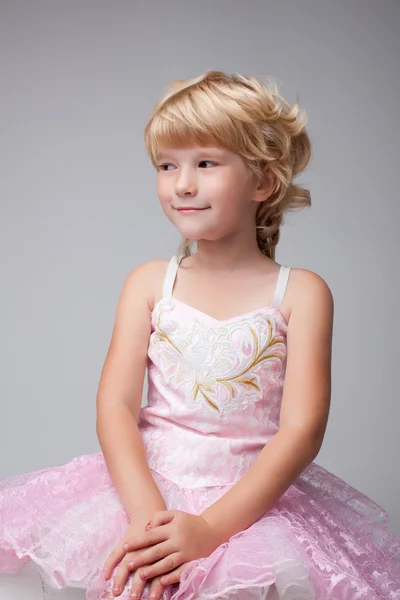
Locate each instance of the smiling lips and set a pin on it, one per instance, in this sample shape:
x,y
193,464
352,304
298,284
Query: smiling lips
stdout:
x,y
190,209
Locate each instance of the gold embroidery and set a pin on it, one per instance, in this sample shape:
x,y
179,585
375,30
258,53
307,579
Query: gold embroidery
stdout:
x,y
199,388
257,358
163,337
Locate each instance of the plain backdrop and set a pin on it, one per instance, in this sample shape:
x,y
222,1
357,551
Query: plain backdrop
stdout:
x,y
79,208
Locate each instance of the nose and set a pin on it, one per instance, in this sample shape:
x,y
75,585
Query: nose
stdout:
x,y
186,183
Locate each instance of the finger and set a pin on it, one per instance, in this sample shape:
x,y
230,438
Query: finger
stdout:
x,y
149,556
149,537
137,586
172,561
174,576
122,573
156,588
115,556
162,517
133,560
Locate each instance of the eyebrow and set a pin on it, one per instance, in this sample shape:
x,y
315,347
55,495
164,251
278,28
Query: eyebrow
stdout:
x,y
203,151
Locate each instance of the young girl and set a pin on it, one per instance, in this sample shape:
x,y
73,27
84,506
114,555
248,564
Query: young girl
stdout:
x,y
210,491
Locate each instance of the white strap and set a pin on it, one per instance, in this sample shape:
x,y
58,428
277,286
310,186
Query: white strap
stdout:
x,y
174,263
281,285
170,275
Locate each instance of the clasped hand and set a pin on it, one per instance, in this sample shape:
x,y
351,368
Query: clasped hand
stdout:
x,y
173,539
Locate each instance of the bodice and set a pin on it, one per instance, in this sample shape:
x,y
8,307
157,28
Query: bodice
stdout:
x,y
214,388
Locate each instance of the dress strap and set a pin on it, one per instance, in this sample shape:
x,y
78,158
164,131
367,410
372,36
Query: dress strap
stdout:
x,y
281,285
170,276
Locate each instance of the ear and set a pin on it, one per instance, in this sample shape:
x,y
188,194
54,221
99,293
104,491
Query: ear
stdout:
x,y
264,186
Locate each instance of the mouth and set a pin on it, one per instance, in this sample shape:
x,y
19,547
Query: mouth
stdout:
x,y
191,209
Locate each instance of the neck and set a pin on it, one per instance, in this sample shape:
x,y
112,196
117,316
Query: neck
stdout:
x,y
228,255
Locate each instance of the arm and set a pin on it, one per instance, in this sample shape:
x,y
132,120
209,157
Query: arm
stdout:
x,y
303,416
119,394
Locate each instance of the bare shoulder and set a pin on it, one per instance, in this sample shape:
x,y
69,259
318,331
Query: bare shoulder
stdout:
x,y
308,286
149,277
309,294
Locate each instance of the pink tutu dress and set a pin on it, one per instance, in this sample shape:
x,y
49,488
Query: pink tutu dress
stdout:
x,y
214,394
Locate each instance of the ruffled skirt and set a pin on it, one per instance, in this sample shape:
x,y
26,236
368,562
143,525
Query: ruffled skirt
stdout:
x,y
323,539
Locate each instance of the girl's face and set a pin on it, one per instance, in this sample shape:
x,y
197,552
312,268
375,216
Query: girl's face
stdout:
x,y
206,192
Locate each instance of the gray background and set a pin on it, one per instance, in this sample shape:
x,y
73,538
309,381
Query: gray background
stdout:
x,y
79,208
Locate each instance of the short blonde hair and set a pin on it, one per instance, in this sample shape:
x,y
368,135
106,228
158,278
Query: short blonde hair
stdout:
x,y
248,117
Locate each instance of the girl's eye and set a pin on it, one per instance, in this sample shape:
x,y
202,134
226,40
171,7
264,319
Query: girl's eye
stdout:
x,y
161,167
207,161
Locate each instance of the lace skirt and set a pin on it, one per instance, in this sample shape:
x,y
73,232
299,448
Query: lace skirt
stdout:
x,y
321,540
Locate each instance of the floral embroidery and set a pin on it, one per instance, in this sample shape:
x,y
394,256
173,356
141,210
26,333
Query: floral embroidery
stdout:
x,y
198,343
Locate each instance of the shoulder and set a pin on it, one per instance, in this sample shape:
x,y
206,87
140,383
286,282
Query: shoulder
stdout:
x,y
148,277
306,285
309,293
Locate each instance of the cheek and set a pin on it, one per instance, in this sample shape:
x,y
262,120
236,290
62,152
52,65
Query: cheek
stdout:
x,y
230,202
163,194
228,191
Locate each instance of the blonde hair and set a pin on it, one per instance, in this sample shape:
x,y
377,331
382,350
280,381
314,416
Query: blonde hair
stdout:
x,y
245,116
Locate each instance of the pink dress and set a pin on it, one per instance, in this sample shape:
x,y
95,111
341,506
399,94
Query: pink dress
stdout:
x,y
214,393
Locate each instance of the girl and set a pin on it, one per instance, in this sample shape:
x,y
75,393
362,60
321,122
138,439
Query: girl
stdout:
x,y
211,490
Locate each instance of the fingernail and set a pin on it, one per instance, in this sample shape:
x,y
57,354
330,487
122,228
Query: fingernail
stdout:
x,y
153,595
126,546
148,525
131,564
134,595
116,588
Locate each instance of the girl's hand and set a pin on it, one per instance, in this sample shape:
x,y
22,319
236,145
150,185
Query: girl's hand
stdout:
x,y
120,557
174,539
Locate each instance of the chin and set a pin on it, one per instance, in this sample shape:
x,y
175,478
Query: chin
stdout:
x,y
192,233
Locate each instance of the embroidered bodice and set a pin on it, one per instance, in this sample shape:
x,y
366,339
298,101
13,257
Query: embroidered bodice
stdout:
x,y
214,387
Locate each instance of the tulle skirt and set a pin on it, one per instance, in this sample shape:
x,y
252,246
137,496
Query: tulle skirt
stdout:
x,y
321,540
